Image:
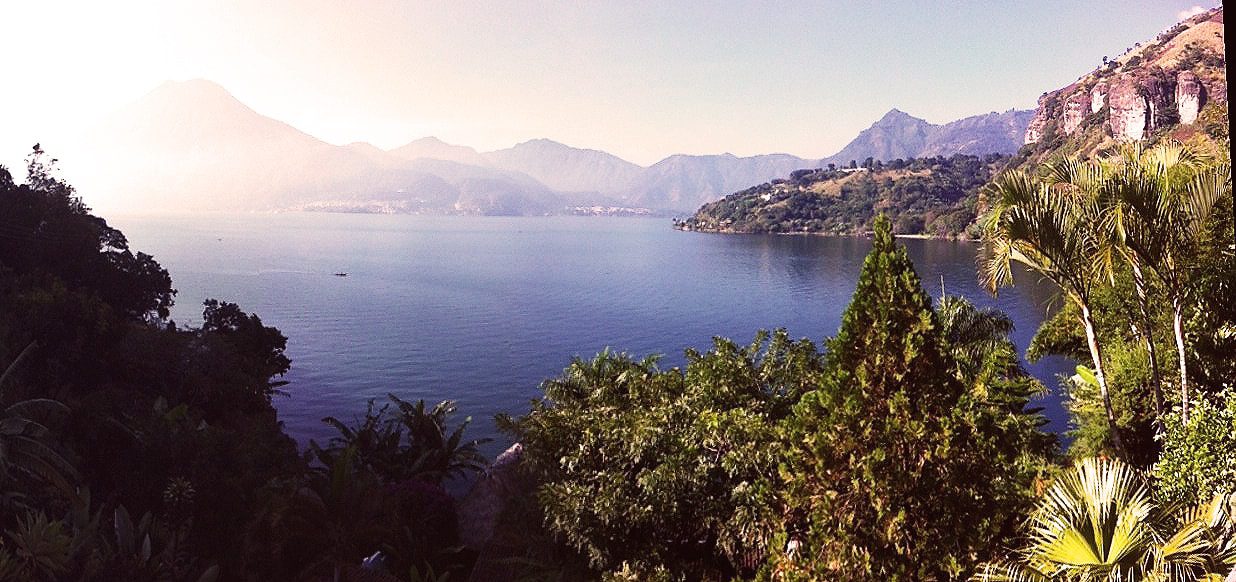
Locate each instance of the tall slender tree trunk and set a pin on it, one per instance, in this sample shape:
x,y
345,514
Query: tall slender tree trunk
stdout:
x,y
1097,357
1178,327
1156,384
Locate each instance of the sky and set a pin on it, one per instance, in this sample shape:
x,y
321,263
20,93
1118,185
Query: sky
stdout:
x,y
640,79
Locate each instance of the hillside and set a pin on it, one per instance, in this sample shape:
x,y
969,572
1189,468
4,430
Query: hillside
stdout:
x,y
567,169
433,148
896,135
684,182
923,196
1174,86
979,135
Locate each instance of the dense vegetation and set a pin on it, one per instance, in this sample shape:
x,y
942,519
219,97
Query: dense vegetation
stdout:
x,y
907,447
1141,245
906,450
929,196
135,449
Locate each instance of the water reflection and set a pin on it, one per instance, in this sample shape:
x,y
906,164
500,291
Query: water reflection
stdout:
x,y
481,310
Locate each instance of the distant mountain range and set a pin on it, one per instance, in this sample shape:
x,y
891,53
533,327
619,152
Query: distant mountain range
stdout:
x,y
193,146
900,135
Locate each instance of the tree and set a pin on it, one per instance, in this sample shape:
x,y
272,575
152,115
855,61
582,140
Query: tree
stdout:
x,y
411,443
1169,193
26,447
48,230
649,470
1096,179
1053,231
1197,461
259,348
896,467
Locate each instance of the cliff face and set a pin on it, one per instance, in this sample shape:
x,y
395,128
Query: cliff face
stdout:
x,y
1152,88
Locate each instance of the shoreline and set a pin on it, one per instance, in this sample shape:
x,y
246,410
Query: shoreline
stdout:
x,y
919,236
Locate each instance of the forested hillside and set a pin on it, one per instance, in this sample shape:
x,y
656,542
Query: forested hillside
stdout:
x,y
922,196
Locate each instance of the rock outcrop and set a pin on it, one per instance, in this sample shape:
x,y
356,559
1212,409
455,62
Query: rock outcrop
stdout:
x,y
1038,123
1128,111
1154,87
1190,96
1075,111
1098,96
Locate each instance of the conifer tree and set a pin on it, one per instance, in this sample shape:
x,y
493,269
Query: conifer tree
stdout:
x,y
896,471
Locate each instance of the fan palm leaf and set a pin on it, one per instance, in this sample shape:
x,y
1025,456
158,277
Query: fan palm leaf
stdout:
x,y
1099,521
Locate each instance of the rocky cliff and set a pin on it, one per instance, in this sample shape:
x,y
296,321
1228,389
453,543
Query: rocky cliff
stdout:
x,y
1163,87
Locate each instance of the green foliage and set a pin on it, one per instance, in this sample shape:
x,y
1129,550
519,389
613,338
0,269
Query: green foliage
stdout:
x,y
895,417
933,196
411,442
1198,458
83,547
109,395
651,471
377,486
1164,214
28,454
1100,522
40,550
258,348
48,231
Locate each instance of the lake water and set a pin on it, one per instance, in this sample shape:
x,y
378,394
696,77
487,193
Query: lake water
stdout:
x,y
480,310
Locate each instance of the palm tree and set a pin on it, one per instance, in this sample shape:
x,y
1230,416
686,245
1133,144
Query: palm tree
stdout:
x,y
1052,229
978,339
428,452
1121,238
1169,193
1099,522
26,447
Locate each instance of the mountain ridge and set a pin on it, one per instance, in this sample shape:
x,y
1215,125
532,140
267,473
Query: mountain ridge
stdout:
x,y
900,135
198,147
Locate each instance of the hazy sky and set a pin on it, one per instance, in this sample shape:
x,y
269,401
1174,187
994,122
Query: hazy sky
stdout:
x,y
639,79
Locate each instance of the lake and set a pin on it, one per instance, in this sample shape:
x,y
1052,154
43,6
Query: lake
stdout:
x,y
480,310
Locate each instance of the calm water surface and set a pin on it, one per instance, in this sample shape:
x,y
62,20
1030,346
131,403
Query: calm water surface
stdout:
x,y
480,310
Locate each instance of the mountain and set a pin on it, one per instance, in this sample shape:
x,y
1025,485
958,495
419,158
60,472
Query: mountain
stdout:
x,y
565,168
682,182
435,149
901,135
979,135
193,146
896,135
1174,86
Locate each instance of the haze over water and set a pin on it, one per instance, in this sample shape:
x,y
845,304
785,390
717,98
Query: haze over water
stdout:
x,y
480,310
